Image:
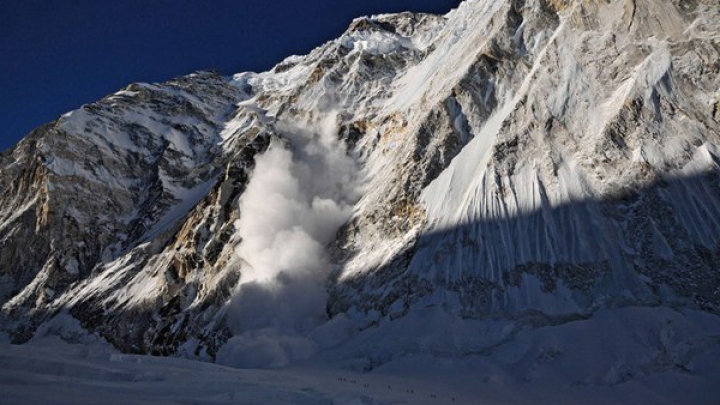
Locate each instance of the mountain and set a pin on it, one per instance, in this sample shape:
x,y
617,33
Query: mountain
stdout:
x,y
522,165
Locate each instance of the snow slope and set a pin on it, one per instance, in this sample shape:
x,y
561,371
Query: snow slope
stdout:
x,y
526,191
621,356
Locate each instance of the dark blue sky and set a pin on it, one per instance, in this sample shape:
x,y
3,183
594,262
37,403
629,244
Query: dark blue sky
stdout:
x,y
56,55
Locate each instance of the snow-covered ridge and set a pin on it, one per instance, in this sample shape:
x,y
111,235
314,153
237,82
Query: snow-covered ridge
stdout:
x,y
531,163
553,193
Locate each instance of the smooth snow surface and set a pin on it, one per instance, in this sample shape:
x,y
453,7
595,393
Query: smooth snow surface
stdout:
x,y
620,356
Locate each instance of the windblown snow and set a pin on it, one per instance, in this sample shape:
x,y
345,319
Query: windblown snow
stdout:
x,y
297,198
515,202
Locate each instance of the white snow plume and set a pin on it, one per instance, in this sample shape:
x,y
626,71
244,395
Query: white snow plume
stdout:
x,y
300,193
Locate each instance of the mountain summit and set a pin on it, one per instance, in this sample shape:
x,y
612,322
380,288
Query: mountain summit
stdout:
x,y
523,165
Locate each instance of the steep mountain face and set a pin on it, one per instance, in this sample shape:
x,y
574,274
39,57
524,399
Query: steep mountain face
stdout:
x,y
533,159
584,164
103,179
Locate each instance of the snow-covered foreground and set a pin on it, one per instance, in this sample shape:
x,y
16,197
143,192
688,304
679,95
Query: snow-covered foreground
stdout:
x,y
57,373
623,355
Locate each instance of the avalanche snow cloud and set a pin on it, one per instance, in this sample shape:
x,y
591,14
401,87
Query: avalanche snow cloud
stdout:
x,y
302,190
539,213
